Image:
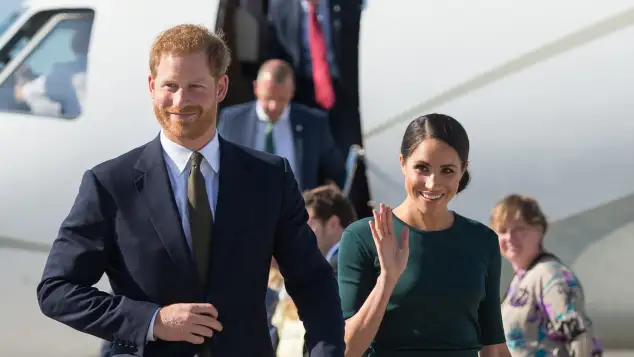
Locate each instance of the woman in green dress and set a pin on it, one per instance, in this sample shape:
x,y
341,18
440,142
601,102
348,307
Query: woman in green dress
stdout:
x,y
421,280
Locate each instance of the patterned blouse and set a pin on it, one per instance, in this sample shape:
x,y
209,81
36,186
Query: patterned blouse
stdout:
x,y
544,313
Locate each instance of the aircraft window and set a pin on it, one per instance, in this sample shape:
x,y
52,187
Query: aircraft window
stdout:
x,y
22,36
48,70
19,46
8,21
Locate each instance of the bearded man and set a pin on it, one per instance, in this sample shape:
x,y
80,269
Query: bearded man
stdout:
x,y
185,227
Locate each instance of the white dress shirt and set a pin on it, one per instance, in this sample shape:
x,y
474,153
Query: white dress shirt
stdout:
x,y
332,251
283,137
177,160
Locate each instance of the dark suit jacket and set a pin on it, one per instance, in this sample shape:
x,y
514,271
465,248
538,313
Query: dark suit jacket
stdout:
x,y
284,39
272,299
125,223
315,151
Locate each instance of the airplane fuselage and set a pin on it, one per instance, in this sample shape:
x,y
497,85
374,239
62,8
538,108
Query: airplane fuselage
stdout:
x,y
546,107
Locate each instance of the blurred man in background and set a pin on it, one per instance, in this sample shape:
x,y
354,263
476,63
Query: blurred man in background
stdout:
x,y
330,212
294,131
320,39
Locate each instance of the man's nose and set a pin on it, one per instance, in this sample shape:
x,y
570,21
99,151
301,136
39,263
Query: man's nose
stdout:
x,y
273,106
179,98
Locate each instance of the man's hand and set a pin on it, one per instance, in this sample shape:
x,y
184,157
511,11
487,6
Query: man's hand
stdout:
x,y
186,322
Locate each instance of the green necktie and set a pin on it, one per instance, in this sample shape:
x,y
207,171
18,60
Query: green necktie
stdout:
x,y
200,218
201,221
269,144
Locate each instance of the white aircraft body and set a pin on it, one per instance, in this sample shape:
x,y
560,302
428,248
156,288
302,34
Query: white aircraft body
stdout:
x,y
542,89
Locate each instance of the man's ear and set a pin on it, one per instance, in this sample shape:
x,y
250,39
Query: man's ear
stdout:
x,y
221,88
150,83
333,222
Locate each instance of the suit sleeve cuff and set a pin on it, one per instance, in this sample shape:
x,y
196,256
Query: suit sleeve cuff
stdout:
x,y
150,331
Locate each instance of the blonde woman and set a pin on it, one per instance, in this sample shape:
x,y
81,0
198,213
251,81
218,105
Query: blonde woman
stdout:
x,y
290,328
285,320
544,310
275,285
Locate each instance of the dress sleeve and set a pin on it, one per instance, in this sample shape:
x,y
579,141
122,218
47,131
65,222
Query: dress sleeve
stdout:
x,y
356,274
563,302
489,312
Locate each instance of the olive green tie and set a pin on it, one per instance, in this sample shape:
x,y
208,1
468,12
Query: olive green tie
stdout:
x,y
201,221
269,144
200,218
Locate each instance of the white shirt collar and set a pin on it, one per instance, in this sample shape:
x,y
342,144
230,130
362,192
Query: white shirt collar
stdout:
x,y
181,155
332,251
262,115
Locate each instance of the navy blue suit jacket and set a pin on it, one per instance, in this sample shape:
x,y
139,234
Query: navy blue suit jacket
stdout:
x,y
284,39
125,223
317,156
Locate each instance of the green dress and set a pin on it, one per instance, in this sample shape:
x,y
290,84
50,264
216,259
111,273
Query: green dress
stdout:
x,y
446,303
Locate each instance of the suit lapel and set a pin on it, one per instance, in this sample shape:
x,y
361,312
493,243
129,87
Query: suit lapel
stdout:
x,y
229,189
155,189
228,212
297,128
250,128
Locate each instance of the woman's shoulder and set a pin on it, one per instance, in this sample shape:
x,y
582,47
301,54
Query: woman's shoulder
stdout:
x,y
474,228
360,227
357,233
550,269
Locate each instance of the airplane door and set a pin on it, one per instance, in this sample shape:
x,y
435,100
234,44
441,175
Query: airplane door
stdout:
x,y
244,24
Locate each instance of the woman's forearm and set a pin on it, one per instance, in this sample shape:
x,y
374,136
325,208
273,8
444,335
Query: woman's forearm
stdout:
x,y
363,326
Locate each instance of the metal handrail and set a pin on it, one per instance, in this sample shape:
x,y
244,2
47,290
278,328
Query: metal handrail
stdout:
x,y
355,153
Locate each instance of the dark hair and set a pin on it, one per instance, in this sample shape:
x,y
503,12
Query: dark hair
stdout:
x,y
441,127
327,201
